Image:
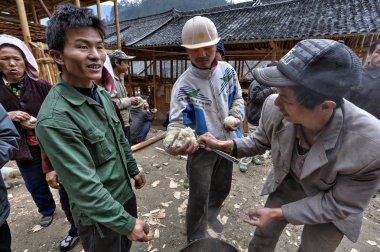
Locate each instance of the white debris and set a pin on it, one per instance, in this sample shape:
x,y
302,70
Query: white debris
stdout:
x,y
236,206
165,164
156,234
156,165
36,228
10,196
155,183
177,194
372,243
353,250
251,234
154,250
166,204
154,211
150,247
173,184
288,233
164,246
224,220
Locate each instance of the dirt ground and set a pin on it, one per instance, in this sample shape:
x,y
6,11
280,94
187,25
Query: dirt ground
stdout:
x,y
163,205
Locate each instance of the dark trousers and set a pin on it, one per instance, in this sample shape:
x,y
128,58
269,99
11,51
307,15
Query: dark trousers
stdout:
x,y
31,172
210,182
112,241
5,238
318,237
65,204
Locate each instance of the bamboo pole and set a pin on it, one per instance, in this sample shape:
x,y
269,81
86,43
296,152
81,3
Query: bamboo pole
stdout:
x,y
98,9
34,13
117,25
154,80
77,3
45,8
23,21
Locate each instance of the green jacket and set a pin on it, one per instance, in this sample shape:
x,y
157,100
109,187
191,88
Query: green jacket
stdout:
x,y
86,146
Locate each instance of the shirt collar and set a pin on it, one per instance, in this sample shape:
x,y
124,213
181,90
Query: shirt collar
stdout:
x,y
74,96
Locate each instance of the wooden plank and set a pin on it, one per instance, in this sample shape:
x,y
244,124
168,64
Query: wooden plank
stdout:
x,y
116,13
148,142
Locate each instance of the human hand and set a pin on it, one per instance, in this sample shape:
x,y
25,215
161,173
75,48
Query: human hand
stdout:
x,y
18,116
139,180
140,232
52,179
231,125
263,217
207,141
188,147
153,110
134,100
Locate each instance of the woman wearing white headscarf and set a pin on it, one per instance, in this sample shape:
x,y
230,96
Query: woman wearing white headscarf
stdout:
x,y
21,94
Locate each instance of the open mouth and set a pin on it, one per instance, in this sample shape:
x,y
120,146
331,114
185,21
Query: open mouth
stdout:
x,y
95,66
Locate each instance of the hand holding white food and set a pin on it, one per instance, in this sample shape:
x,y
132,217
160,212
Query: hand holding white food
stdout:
x,y
181,142
231,123
18,116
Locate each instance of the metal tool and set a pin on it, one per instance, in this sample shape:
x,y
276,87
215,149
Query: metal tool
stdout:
x,y
226,156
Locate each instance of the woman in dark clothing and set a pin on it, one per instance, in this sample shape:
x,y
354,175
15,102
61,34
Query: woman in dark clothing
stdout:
x,y
21,94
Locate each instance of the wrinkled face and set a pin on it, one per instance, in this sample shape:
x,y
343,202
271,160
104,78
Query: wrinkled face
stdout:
x,y
202,57
375,58
122,67
83,56
291,109
12,63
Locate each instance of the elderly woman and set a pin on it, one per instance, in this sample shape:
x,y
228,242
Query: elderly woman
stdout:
x,y
21,94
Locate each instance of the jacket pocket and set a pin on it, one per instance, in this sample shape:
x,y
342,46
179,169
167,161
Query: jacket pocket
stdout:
x,y
98,146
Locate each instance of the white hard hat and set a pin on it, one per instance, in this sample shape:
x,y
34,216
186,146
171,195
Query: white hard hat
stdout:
x,y
199,32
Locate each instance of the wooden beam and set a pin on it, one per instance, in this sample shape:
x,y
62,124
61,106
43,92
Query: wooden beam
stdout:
x,y
98,9
117,25
34,13
23,21
154,80
77,3
148,142
45,8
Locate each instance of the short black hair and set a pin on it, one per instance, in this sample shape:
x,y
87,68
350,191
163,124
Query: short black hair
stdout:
x,y
310,99
69,16
372,47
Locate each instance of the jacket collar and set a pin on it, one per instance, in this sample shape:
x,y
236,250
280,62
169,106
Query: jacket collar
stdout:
x,y
316,157
374,73
73,96
204,73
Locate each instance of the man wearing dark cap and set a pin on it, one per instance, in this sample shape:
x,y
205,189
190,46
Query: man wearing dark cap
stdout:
x,y
220,51
320,178
120,64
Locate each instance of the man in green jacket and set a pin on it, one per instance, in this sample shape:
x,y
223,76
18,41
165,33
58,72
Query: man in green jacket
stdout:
x,y
81,134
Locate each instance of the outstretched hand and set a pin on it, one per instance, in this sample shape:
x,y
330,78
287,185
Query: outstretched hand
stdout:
x,y
262,217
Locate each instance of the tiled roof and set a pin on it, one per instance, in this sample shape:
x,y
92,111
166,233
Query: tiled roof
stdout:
x,y
272,20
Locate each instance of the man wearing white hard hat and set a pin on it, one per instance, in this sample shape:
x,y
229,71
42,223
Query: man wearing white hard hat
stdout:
x,y
202,98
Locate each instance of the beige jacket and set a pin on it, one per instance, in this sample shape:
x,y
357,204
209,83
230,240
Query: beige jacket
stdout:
x,y
341,171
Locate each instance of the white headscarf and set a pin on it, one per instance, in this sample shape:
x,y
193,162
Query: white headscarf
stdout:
x,y
109,78
30,62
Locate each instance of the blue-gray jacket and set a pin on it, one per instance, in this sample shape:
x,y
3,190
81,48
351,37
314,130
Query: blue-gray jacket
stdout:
x,y
8,143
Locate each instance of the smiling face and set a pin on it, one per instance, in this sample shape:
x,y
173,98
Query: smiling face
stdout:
x,y
12,63
82,58
202,57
